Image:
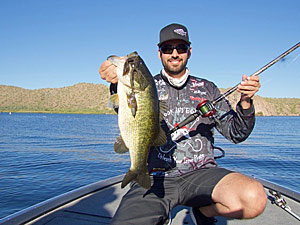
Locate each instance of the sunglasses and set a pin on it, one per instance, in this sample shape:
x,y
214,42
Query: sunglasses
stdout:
x,y
168,49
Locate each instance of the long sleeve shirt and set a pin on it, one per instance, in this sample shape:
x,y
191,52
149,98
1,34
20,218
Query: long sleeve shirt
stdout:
x,y
191,147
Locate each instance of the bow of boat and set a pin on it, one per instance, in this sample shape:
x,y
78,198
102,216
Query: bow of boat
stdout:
x,y
96,204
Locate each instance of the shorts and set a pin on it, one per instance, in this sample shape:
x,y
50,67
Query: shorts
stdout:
x,y
194,189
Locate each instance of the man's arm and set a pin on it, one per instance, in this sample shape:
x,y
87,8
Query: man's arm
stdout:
x,y
237,126
108,72
248,87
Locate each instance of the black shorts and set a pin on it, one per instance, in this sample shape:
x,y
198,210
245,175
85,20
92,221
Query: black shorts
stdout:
x,y
194,189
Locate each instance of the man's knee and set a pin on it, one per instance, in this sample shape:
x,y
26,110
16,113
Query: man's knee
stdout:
x,y
254,199
242,196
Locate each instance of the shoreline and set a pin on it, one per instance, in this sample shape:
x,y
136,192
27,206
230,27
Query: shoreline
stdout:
x,y
106,113
61,112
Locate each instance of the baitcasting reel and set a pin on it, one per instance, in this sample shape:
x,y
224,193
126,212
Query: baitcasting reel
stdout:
x,y
204,109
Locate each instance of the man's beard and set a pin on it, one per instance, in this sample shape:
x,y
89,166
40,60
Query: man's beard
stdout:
x,y
174,71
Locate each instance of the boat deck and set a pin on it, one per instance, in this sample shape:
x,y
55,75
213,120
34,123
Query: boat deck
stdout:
x,y
98,207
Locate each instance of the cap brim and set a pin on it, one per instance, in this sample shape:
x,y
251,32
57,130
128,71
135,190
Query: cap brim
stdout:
x,y
160,44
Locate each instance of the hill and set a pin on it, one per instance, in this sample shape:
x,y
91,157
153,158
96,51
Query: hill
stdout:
x,y
270,106
79,98
93,98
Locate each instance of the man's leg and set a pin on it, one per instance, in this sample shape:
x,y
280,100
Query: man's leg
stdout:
x,y
236,196
141,206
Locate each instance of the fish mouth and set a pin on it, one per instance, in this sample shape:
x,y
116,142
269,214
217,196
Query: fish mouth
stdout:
x,y
125,62
132,54
131,62
127,67
116,60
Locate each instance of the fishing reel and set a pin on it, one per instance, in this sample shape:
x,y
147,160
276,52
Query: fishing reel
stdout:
x,y
203,109
206,108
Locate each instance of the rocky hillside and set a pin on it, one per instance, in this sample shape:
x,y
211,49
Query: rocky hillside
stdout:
x,y
79,98
270,106
93,98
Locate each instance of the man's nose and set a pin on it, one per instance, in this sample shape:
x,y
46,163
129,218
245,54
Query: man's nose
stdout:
x,y
175,53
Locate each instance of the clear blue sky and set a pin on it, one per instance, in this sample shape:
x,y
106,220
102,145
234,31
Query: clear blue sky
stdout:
x,y
57,43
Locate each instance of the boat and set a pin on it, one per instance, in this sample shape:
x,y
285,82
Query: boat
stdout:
x,y
96,204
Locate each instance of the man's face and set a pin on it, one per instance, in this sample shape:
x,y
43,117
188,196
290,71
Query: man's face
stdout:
x,y
175,62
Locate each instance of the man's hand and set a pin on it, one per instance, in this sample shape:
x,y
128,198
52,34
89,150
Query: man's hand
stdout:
x,y
248,87
108,72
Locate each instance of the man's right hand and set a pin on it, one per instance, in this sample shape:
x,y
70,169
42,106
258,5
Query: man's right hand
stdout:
x,y
108,72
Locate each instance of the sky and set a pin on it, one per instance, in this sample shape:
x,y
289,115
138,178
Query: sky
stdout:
x,y
58,43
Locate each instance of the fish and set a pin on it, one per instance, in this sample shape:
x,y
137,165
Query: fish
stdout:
x,y
139,115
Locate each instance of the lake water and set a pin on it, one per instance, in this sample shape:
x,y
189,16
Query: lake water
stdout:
x,y
44,155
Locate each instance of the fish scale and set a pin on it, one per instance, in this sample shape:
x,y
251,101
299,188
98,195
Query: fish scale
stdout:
x,y
140,128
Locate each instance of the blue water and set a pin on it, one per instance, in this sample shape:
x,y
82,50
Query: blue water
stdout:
x,y
44,155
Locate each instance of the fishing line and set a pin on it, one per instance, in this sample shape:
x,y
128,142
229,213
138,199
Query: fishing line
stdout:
x,y
294,59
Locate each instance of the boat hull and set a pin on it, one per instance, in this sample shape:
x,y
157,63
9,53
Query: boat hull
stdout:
x,y
96,204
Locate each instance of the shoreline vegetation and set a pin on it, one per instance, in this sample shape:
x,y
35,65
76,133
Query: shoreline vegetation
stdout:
x,y
87,98
61,112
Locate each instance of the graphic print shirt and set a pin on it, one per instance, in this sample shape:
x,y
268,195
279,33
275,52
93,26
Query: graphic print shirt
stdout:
x,y
191,147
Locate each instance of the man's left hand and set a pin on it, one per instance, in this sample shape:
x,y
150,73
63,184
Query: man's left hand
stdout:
x,y
248,87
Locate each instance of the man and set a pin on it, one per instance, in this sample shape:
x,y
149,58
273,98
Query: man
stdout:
x,y
184,171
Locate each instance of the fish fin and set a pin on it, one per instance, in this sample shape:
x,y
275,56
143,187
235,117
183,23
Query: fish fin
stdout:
x,y
163,107
119,146
113,101
161,138
129,176
142,178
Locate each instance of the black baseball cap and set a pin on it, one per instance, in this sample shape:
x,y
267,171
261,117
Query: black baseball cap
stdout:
x,y
173,31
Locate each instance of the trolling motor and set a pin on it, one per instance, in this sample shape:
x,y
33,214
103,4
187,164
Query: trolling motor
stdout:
x,y
206,108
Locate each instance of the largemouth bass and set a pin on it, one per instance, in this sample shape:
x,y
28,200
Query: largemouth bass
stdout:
x,y
138,116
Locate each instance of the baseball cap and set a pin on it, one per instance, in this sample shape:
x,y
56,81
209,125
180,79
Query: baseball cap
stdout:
x,y
172,32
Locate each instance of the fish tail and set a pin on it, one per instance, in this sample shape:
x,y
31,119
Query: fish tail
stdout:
x,y
142,178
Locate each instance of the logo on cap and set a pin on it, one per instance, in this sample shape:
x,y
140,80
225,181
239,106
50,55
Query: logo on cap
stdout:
x,y
180,32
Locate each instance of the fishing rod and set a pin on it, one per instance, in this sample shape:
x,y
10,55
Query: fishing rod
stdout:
x,y
206,108
278,200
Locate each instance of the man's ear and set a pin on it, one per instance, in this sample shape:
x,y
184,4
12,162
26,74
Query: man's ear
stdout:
x,y
189,52
159,54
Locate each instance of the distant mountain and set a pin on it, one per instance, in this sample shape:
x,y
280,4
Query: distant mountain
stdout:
x,y
93,98
79,98
270,106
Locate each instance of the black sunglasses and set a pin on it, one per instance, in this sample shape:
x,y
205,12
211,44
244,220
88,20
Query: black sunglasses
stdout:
x,y
168,49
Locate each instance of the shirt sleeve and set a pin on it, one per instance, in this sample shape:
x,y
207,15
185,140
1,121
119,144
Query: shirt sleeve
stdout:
x,y
237,125
113,89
